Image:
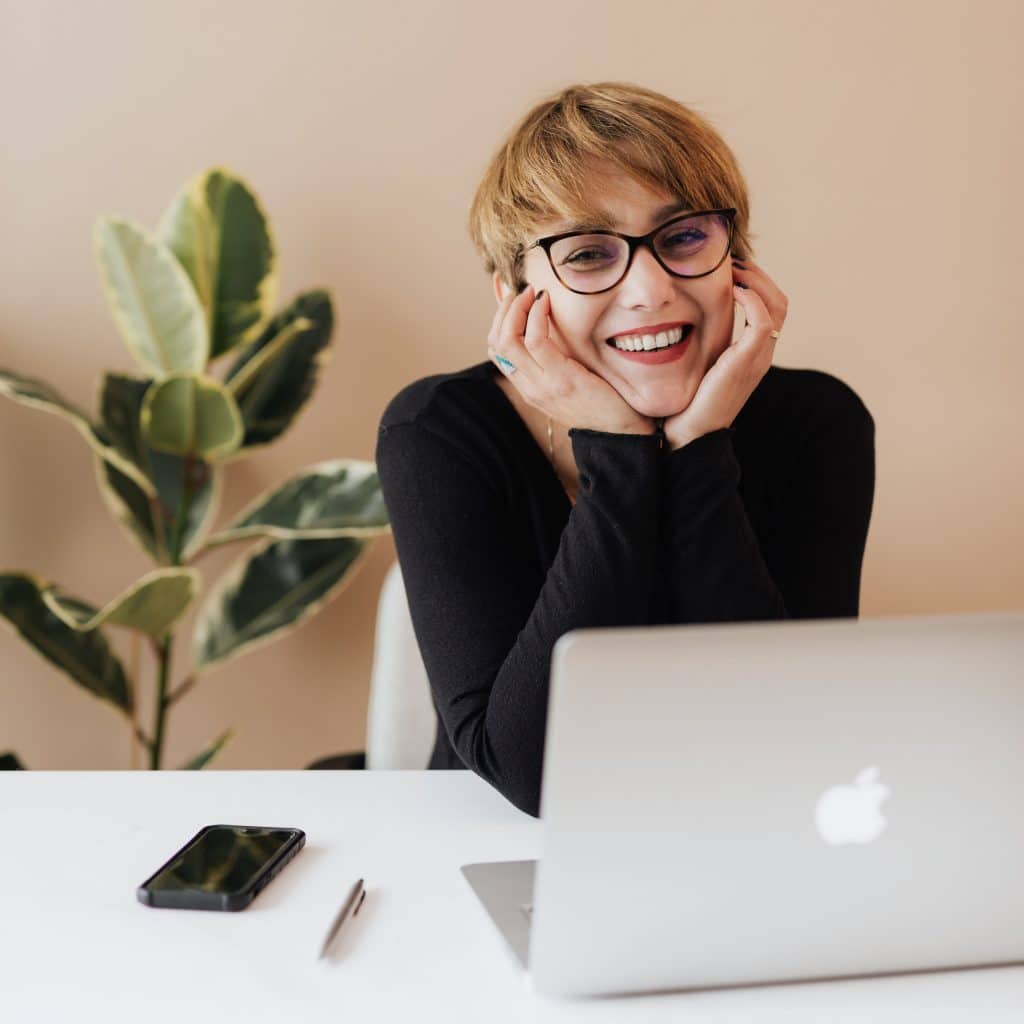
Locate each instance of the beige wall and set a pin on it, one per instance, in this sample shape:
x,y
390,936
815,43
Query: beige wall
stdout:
x,y
883,149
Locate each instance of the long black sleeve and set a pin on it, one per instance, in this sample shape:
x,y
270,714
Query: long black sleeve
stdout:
x,y
766,519
815,512
485,632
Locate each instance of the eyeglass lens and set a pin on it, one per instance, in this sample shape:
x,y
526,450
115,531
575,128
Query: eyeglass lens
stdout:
x,y
689,247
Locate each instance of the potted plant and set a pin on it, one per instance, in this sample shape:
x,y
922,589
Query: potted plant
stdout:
x,y
199,290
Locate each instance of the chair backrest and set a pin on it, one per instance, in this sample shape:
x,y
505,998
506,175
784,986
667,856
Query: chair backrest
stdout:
x,y
401,722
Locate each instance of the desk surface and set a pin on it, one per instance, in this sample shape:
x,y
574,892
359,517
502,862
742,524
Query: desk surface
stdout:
x,y
76,945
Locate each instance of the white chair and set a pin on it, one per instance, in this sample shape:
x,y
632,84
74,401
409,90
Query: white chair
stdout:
x,y
400,721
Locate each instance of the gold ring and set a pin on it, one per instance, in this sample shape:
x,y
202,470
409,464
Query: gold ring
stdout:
x,y
774,334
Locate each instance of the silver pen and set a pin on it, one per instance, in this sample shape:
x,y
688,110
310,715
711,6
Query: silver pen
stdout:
x,y
356,892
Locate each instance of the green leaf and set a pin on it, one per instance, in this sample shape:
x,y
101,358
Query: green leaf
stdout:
x,y
151,605
221,236
9,763
37,393
279,585
191,415
273,399
152,300
121,406
340,498
202,759
84,657
135,512
241,381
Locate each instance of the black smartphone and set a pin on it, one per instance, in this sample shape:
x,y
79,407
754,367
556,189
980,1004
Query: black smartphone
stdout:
x,y
222,867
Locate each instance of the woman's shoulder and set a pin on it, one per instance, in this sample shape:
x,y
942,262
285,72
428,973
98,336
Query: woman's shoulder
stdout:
x,y
440,396
458,417
796,399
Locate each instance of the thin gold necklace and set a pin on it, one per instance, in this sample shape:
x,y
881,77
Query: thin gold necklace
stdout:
x,y
551,442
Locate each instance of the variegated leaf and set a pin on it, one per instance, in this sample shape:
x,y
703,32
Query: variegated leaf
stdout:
x,y
85,658
340,498
152,300
276,587
272,400
150,521
192,416
37,393
202,759
221,236
151,605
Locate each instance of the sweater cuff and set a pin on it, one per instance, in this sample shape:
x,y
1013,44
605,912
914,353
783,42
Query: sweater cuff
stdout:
x,y
708,455
617,460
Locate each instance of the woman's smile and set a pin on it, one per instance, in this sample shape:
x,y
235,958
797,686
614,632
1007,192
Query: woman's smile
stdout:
x,y
653,348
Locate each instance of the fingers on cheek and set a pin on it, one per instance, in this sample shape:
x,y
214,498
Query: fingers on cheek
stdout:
x,y
534,326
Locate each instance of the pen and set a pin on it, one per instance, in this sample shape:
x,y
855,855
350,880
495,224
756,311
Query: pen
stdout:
x,y
357,891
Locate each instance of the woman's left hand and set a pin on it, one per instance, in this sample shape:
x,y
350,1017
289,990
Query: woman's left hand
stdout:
x,y
740,368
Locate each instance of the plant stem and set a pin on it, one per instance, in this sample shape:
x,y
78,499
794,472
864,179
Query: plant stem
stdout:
x,y
181,519
163,653
181,689
136,732
159,530
141,737
162,648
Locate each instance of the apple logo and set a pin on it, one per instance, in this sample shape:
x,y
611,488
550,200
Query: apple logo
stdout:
x,y
850,814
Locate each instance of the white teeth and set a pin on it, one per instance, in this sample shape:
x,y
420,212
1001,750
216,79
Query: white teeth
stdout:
x,y
646,342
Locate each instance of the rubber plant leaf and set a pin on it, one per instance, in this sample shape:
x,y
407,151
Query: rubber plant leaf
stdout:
x,y
86,658
272,590
221,236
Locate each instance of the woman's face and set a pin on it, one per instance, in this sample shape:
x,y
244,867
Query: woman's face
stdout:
x,y
647,297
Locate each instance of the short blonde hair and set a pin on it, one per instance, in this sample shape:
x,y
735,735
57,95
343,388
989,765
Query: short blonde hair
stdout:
x,y
546,166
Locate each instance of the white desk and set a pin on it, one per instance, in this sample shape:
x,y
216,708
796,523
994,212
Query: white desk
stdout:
x,y
75,945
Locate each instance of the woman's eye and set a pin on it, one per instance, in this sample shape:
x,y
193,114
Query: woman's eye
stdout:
x,y
686,238
587,256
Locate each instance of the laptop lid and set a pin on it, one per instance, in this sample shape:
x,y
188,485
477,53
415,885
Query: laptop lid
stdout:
x,y
748,802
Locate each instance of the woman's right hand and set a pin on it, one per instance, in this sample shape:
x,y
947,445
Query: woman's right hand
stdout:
x,y
561,387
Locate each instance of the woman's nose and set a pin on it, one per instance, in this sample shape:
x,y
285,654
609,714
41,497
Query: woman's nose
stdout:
x,y
647,282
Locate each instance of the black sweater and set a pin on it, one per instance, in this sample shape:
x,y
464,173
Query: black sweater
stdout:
x,y
766,519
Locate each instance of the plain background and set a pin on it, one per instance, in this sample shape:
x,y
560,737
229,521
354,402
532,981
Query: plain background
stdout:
x,y
881,142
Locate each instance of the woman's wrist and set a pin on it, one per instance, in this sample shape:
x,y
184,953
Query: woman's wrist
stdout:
x,y
676,439
631,422
631,425
642,426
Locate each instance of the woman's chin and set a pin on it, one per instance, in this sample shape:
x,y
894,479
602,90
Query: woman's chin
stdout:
x,y
656,399
661,406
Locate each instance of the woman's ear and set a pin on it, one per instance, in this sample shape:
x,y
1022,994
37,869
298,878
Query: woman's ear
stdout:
x,y
500,288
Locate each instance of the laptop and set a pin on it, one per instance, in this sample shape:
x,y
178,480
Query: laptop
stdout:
x,y
757,802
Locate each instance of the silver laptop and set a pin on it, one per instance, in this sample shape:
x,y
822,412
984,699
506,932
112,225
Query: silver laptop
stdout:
x,y
755,802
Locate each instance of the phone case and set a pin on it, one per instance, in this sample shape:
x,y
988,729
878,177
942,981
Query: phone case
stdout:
x,y
200,899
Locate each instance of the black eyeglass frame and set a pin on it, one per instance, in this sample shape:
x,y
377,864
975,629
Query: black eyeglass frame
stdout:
x,y
634,242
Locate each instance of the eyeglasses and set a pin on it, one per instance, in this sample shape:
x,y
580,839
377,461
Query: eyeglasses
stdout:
x,y
692,245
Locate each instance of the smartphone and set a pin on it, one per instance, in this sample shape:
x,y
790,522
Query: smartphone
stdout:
x,y
222,867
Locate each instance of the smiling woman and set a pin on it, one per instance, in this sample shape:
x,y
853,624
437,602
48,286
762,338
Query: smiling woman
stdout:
x,y
625,456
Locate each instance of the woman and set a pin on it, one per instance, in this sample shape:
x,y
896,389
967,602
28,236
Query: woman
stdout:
x,y
618,460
